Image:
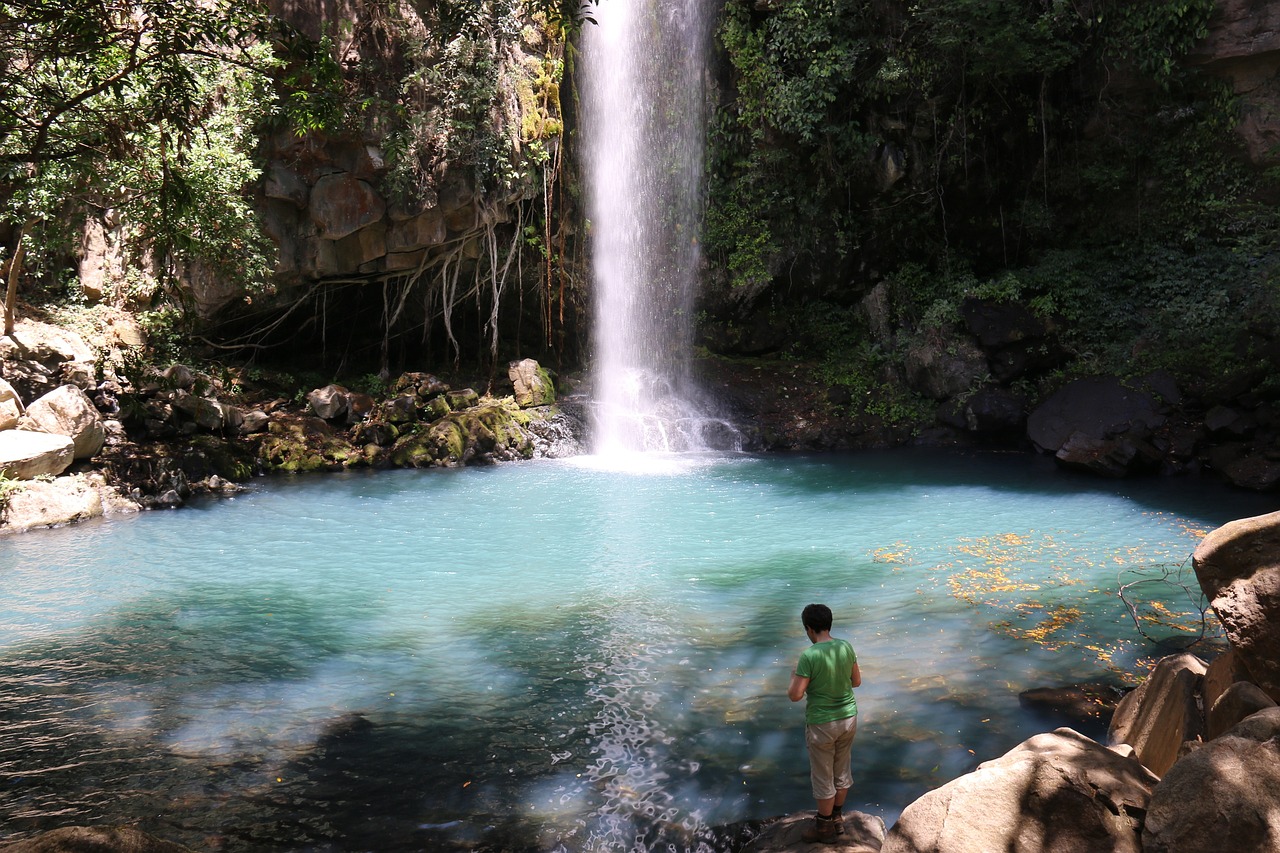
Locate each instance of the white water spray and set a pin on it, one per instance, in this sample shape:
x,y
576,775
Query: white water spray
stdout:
x,y
644,121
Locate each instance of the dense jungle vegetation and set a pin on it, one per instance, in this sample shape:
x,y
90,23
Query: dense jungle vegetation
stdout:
x,y
1057,153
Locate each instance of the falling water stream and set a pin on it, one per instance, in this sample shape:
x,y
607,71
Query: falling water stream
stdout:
x,y
644,123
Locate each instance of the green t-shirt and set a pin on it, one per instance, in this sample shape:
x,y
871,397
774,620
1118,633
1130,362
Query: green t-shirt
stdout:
x,y
828,667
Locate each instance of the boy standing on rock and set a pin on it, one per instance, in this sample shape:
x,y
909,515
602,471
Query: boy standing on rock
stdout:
x,y
827,673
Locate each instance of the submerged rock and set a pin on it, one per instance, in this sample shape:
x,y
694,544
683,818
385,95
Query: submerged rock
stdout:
x,y
94,839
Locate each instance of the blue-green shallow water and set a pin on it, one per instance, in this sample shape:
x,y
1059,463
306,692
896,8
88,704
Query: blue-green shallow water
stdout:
x,y
544,656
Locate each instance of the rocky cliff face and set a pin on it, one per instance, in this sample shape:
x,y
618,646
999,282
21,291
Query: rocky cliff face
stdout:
x,y
339,207
1243,46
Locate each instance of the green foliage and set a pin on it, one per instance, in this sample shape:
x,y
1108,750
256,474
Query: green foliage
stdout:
x,y
835,337
1156,34
449,109
8,488
979,106
1122,311
142,110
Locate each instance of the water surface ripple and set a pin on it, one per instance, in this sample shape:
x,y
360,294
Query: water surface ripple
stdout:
x,y
557,656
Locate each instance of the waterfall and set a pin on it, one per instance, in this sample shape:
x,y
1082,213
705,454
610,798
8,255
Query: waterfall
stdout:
x,y
642,80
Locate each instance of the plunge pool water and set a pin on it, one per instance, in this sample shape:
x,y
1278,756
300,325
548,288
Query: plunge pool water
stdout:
x,y
554,656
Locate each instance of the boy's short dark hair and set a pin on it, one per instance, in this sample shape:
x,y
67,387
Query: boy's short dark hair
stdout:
x,y
817,617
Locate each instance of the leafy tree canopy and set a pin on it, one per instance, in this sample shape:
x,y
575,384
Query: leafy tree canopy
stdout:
x,y
136,106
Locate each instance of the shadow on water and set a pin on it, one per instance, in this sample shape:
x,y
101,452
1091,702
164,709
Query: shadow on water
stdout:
x,y
600,730
637,702
873,472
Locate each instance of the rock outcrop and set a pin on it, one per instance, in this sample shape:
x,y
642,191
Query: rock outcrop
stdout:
x,y
1243,45
1224,796
68,411
25,455
1054,793
1163,713
1238,566
863,833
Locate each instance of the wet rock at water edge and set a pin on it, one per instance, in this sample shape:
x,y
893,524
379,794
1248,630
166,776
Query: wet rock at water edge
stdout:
x,y
863,833
1098,424
94,839
1238,566
1163,713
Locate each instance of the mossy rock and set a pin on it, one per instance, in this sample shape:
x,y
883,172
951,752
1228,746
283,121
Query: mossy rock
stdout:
x,y
435,409
462,399
484,433
229,459
401,410
301,444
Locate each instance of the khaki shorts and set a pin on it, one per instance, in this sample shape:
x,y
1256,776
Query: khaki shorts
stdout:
x,y
829,746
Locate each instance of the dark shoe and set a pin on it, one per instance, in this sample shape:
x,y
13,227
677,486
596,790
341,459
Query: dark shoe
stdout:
x,y
824,831
837,815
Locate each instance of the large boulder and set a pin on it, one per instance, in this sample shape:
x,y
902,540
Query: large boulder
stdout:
x,y
330,402
1163,713
206,413
25,455
36,357
944,369
1099,408
63,500
1223,796
10,406
94,839
1238,702
1054,793
532,383
69,411
1224,671
1238,566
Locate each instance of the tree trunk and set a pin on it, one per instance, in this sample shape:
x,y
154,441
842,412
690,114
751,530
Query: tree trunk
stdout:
x,y
11,280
